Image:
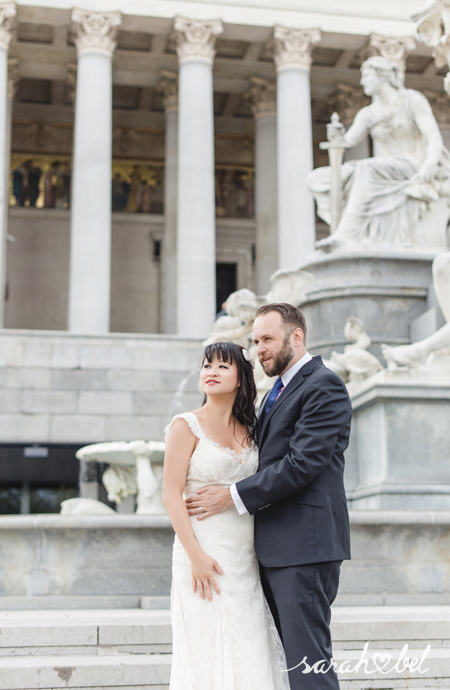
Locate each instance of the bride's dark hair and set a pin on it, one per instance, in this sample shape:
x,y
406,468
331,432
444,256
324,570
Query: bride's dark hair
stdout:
x,y
244,403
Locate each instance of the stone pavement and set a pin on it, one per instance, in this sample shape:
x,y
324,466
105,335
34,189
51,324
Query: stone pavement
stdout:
x,y
130,648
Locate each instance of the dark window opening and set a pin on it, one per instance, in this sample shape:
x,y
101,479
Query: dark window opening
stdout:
x,y
226,283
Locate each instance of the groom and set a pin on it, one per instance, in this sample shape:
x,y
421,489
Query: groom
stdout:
x,y
297,496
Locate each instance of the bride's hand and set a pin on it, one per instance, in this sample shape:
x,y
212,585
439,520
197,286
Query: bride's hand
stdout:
x,y
202,568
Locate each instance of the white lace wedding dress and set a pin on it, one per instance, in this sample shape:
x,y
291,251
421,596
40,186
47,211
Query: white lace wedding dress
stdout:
x,y
231,642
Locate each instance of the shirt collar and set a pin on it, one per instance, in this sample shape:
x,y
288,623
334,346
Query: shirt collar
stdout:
x,y
295,368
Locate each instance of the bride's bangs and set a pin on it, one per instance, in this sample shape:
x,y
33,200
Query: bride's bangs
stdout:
x,y
222,350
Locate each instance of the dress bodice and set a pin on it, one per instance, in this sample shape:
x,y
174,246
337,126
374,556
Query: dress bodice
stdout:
x,y
214,464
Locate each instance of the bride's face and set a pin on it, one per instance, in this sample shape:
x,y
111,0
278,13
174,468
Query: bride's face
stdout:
x,y
219,377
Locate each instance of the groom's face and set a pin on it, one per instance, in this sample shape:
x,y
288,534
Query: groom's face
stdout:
x,y
273,339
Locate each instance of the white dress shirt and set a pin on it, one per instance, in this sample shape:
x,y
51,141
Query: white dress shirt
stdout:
x,y
286,378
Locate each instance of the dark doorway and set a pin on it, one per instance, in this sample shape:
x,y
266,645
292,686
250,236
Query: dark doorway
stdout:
x,y
226,283
35,478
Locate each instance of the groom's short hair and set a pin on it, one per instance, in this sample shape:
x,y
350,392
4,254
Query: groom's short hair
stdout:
x,y
290,315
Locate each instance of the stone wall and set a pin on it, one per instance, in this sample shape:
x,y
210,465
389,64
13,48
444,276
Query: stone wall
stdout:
x,y
398,558
59,387
38,267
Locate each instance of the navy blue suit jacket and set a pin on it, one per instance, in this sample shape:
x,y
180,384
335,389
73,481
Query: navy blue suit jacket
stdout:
x,y
298,496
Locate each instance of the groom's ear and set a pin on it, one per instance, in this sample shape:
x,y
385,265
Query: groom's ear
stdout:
x,y
299,336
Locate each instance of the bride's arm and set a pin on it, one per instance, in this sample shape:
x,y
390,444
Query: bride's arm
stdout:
x,y
180,444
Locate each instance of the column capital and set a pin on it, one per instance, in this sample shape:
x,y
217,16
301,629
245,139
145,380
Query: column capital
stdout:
x,y
196,39
293,47
8,12
95,32
13,76
167,89
347,101
393,48
261,97
433,29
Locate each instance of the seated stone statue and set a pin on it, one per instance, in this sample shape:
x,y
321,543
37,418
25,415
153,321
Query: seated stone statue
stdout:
x,y
438,342
401,195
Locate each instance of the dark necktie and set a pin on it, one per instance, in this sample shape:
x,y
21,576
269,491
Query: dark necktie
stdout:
x,y
274,393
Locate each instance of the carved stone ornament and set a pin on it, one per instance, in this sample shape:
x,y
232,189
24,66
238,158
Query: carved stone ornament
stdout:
x,y
95,32
196,39
261,97
394,49
440,105
433,29
293,47
13,76
347,101
8,12
167,89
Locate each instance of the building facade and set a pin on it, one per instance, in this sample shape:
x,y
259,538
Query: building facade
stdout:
x,y
154,148
153,155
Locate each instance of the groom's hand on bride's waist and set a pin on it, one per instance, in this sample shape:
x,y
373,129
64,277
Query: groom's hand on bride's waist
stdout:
x,y
209,500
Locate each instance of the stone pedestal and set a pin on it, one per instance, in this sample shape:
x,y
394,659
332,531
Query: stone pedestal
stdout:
x,y
386,288
398,458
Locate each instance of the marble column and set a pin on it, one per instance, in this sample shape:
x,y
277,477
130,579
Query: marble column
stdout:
x,y
8,13
196,259
13,83
347,101
90,252
296,218
262,99
168,91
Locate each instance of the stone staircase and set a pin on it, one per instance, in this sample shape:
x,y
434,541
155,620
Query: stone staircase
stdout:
x,y
130,648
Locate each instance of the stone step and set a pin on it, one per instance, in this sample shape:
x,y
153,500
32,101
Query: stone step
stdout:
x,y
135,631
131,648
149,629
153,671
80,601
80,671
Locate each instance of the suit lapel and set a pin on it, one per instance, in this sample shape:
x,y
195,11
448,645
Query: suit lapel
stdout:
x,y
290,388
261,414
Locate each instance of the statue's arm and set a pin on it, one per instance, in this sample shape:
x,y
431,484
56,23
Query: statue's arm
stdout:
x,y
360,127
426,122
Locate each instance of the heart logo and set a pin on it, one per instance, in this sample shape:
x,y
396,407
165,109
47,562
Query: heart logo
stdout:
x,y
380,660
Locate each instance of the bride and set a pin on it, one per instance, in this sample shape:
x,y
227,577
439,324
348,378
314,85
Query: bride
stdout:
x,y
224,636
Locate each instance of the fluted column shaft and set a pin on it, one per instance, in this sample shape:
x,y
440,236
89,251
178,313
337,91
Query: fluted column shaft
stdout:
x,y
296,220
196,254
90,257
168,89
8,13
262,100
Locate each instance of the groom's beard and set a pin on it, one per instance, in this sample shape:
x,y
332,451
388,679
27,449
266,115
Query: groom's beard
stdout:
x,y
280,360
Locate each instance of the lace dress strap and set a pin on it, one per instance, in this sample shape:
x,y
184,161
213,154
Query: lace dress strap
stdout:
x,y
191,419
